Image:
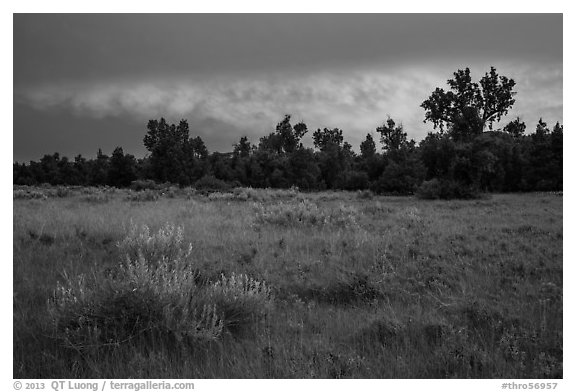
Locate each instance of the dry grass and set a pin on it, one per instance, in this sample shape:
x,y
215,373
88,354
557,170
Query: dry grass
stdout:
x,y
414,289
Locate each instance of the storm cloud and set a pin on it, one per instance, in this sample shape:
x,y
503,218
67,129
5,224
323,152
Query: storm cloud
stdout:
x,y
235,75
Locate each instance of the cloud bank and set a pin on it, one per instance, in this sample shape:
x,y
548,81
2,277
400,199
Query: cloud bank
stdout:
x,y
356,101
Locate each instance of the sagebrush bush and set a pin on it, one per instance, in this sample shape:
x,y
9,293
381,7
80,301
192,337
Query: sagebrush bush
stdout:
x,y
112,311
269,194
146,195
227,196
165,245
97,197
240,300
29,194
63,191
305,213
252,194
154,295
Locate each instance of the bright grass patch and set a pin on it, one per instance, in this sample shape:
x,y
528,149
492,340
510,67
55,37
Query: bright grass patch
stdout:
x,y
305,213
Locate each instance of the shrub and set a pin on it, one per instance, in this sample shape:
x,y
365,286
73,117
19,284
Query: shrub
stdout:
x,y
62,191
240,301
29,194
365,195
429,189
97,197
259,195
446,189
115,311
171,192
141,185
165,245
398,178
212,184
304,213
221,196
146,195
154,295
346,289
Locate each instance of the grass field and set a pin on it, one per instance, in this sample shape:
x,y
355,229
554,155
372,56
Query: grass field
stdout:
x,y
283,284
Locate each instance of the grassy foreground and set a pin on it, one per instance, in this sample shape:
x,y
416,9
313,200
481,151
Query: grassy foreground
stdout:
x,y
282,284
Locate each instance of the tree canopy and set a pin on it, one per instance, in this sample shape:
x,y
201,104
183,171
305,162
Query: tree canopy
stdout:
x,y
467,107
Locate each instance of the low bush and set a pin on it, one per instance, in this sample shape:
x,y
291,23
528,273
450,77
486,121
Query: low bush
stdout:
x,y
89,314
226,196
257,195
212,184
165,245
153,295
141,185
305,213
240,301
29,194
146,195
97,197
270,194
63,191
446,189
347,289
365,195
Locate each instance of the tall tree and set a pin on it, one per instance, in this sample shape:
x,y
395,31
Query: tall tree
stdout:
x,y
173,153
122,170
286,139
243,148
325,138
392,137
99,169
290,136
467,107
368,147
515,128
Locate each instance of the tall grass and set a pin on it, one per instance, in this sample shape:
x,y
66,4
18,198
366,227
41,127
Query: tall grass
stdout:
x,y
196,288
304,213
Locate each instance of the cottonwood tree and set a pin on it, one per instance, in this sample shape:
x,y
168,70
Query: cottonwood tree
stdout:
x,y
243,148
175,157
326,138
122,168
392,137
467,107
335,156
99,169
368,147
286,139
515,128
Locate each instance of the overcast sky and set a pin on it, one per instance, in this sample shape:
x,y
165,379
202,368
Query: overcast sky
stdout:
x,y
87,81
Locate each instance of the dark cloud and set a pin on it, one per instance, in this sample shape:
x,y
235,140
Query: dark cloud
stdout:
x,y
58,47
88,81
45,132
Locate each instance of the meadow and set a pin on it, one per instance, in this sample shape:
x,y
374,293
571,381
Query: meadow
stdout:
x,y
176,283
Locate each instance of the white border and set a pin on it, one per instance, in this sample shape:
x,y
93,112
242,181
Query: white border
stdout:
x,y
301,6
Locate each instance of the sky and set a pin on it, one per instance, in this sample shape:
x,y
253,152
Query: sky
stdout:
x,y
88,81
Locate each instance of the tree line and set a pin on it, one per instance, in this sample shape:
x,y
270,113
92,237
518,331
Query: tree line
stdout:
x,y
464,155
